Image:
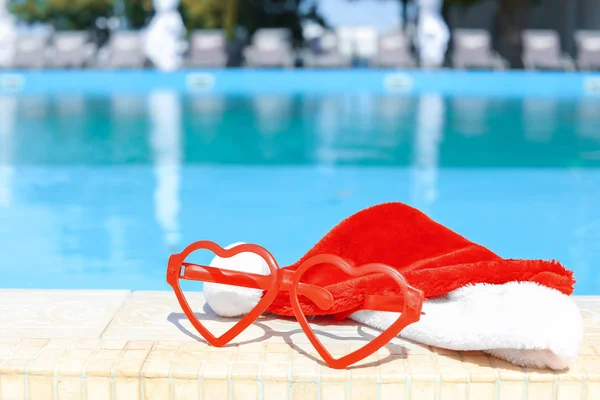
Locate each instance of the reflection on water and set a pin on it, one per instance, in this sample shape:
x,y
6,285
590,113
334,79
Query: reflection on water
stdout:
x,y
301,130
165,136
98,191
8,108
430,133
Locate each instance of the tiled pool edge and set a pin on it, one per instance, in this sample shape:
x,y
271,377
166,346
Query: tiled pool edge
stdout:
x,y
140,353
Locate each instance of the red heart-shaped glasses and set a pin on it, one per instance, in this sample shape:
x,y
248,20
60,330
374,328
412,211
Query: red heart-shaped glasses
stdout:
x,y
408,304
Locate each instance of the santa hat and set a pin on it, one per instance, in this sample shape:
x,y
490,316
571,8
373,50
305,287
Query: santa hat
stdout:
x,y
518,310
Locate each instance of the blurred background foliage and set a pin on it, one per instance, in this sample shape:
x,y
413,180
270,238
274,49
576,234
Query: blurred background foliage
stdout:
x,y
62,14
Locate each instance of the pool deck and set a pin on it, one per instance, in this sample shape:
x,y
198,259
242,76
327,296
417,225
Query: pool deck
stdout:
x,y
96,345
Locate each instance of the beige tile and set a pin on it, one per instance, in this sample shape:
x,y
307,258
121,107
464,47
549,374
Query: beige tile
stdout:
x,y
451,368
140,344
156,369
304,369
69,388
482,391
454,391
305,391
216,370
393,391
42,367
276,391
422,368
245,390
187,370
215,389
88,344
540,390
328,374
541,375
244,371
14,366
148,316
593,391
58,313
78,354
365,374
591,366
99,367
184,389
97,388
275,372
394,371
574,373
569,390
479,368
156,389
129,368
26,352
423,390
127,388
40,387
12,387
63,344
334,390
511,390
507,371
70,367
363,391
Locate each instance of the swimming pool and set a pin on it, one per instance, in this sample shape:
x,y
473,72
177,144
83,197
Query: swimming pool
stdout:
x,y
96,190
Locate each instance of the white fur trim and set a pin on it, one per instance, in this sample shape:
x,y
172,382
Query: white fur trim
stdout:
x,y
233,301
522,322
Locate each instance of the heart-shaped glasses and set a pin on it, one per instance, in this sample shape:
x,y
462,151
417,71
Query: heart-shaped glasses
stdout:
x,y
408,304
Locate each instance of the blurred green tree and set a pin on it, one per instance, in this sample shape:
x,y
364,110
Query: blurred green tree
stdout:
x,y
62,14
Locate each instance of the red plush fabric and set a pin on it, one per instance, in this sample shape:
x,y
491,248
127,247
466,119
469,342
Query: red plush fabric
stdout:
x,y
430,256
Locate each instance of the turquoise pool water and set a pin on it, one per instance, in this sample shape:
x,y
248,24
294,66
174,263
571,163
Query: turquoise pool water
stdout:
x,y
96,192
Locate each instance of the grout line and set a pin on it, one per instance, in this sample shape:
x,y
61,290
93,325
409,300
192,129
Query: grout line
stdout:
x,y
555,386
26,375
468,385
498,380
289,380
259,376
526,386
348,385
378,390
201,381
229,381
112,318
142,378
584,383
113,394
408,380
438,378
171,383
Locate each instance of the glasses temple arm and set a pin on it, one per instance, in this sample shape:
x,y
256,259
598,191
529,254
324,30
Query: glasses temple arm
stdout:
x,y
387,303
321,297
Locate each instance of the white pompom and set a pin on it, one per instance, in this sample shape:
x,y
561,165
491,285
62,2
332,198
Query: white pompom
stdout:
x,y
234,301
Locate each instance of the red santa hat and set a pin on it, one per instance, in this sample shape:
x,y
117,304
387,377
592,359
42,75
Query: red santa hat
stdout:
x,y
519,310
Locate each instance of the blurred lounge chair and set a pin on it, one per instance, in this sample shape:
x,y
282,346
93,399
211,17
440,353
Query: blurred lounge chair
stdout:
x,y
70,49
542,50
271,47
393,51
125,49
324,52
208,48
472,49
588,49
30,50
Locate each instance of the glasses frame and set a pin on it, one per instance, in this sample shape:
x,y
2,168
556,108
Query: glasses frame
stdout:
x,y
408,304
